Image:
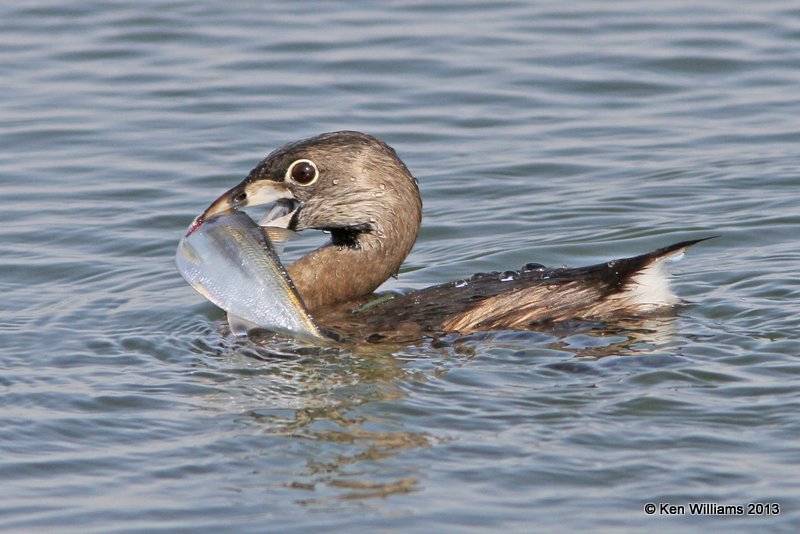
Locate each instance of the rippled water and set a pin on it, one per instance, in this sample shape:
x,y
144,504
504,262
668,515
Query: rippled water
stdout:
x,y
562,133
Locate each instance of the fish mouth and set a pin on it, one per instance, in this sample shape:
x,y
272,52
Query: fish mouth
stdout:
x,y
194,226
281,214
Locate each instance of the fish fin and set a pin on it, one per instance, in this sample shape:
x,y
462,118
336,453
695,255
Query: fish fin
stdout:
x,y
279,215
239,326
278,236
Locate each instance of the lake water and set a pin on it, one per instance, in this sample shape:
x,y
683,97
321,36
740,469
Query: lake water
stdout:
x,y
561,133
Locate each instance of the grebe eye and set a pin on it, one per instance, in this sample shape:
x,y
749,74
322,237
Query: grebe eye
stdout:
x,y
303,171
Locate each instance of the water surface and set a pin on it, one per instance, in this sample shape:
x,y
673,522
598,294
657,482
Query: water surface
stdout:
x,y
563,133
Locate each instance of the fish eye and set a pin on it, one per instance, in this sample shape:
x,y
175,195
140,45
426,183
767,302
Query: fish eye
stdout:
x,y
303,171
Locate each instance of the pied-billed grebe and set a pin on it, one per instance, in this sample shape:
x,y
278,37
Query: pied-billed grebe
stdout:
x,y
355,186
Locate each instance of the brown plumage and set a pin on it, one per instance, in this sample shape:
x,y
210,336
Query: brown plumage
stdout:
x,y
355,186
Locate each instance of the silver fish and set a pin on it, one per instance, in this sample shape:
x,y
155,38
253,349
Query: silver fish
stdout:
x,y
230,261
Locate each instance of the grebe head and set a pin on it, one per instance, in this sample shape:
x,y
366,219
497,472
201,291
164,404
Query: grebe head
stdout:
x,y
348,183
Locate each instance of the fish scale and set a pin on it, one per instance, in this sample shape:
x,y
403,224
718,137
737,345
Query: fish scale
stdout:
x,y
232,263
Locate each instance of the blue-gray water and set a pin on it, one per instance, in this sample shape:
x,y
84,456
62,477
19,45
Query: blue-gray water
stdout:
x,y
562,133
